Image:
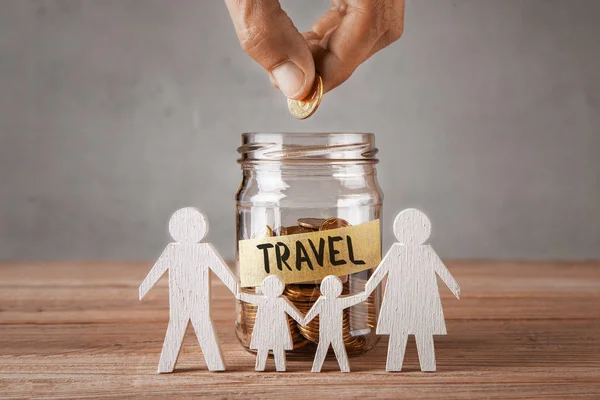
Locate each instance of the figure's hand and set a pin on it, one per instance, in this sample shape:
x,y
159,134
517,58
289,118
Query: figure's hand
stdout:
x,y
370,286
456,291
142,292
363,296
342,39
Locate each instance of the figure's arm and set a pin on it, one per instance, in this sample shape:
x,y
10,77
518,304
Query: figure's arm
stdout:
x,y
313,312
158,270
443,272
349,301
293,312
251,298
381,271
220,268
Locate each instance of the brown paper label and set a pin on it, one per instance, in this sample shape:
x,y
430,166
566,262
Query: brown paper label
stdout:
x,y
310,256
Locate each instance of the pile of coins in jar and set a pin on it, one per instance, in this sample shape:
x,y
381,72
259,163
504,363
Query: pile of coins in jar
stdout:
x,y
357,323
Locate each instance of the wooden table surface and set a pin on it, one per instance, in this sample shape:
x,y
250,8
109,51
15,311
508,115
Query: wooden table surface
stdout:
x,y
77,329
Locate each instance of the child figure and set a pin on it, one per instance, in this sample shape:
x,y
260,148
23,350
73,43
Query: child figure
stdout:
x,y
271,328
330,309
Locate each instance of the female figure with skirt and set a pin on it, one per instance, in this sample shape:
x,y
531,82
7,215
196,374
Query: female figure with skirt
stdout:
x,y
411,303
271,328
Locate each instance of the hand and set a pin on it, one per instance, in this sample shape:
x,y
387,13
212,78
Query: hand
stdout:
x,y
363,296
142,292
342,39
456,291
358,298
370,286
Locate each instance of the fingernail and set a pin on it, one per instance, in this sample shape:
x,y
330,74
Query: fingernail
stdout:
x,y
273,81
289,78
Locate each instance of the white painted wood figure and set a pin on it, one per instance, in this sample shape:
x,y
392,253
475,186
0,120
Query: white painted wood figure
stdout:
x,y
330,309
411,303
271,328
188,262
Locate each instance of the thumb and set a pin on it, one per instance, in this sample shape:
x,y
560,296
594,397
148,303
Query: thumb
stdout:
x,y
269,36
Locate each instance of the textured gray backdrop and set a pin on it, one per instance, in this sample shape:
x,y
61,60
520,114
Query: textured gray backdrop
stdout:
x,y
113,113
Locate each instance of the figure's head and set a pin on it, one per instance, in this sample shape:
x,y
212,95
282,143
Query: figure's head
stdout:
x,y
331,286
412,227
272,286
188,225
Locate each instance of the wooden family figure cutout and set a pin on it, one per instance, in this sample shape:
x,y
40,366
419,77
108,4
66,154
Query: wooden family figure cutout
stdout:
x,y
271,328
188,262
330,309
411,302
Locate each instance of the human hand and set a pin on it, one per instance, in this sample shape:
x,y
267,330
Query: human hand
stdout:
x,y
342,39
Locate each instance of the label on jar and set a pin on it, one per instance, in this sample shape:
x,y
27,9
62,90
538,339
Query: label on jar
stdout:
x,y
308,257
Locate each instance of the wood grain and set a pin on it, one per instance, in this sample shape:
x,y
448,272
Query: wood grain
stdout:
x,y
77,329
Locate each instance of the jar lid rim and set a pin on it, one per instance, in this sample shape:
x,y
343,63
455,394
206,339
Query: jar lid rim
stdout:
x,y
305,146
298,133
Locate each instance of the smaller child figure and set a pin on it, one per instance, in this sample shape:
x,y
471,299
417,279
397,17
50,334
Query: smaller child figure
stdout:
x,y
271,328
330,309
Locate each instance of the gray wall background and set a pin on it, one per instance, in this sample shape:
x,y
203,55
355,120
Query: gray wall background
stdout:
x,y
114,113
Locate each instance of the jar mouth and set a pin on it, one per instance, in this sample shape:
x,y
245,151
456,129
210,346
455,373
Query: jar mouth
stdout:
x,y
314,147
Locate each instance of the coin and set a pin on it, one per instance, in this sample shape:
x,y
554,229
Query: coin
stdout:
x,y
302,109
311,223
295,230
281,231
362,318
333,223
269,231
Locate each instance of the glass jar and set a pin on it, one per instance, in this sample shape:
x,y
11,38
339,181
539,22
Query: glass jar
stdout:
x,y
288,177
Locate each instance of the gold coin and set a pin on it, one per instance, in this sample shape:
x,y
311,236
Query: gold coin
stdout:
x,y
311,223
302,109
270,232
357,321
295,230
281,231
333,223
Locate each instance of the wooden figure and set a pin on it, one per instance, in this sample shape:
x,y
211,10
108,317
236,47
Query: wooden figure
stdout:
x,y
271,328
188,262
330,307
411,303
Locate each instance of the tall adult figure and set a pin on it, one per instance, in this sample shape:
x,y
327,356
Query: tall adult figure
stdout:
x,y
188,262
411,302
